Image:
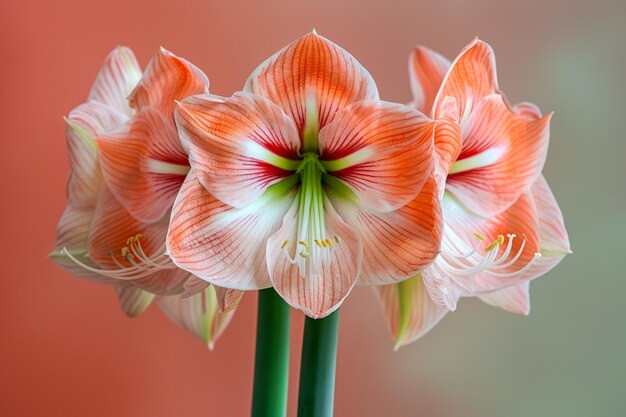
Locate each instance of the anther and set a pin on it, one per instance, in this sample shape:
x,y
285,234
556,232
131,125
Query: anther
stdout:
x,y
305,253
285,243
479,236
304,243
337,239
318,243
329,242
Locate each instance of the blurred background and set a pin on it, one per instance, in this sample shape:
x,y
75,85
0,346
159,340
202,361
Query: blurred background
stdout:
x,y
67,350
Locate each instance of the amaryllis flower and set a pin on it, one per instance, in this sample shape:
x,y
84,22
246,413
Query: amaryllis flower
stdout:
x,y
98,237
306,182
502,225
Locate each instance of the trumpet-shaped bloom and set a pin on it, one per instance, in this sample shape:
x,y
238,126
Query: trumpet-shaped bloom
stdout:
x,y
99,236
502,225
306,182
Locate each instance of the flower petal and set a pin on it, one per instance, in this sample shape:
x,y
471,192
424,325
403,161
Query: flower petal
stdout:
x,y
520,220
193,286
72,236
144,165
427,69
502,156
553,239
228,298
119,74
408,309
382,151
515,299
238,146
82,124
315,289
471,77
396,244
109,241
133,300
198,314
315,69
219,243
168,78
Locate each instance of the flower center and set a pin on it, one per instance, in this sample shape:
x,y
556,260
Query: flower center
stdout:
x,y
313,246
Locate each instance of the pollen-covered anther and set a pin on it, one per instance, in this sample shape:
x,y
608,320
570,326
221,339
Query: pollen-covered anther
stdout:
x,y
304,243
496,243
285,243
337,239
329,242
305,253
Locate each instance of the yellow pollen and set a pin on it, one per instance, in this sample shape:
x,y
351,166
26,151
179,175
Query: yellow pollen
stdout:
x,y
125,252
337,239
318,243
304,253
499,241
329,242
304,243
285,243
479,236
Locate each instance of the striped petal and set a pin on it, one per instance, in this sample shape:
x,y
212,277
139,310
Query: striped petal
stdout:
x,y
408,309
316,70
397,244
72,236
168,78
471,77
510,240
219,243
133,300
227,298
382,151
198,314
113,246
119,74
238,146
427,69
314,280
82,125
144,165
502,156
515,299
553,239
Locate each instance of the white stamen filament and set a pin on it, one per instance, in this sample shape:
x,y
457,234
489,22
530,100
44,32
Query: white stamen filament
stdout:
x,y
141,265
458,265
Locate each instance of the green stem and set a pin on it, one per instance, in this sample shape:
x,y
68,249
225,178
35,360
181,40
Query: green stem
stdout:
x,y
317,369
271,368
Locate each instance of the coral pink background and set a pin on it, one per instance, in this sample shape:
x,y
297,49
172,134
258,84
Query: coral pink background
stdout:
x,y
67,350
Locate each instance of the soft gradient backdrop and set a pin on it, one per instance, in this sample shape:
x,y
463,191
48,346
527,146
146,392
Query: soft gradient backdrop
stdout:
x,y
67,350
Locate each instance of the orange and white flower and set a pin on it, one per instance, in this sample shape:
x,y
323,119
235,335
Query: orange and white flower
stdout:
x,y
502,225
306,182
106,233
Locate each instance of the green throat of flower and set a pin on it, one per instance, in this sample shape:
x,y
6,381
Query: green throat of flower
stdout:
x,y
313,246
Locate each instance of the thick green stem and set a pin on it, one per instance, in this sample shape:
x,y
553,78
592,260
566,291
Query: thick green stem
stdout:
x,y
317,369
271,369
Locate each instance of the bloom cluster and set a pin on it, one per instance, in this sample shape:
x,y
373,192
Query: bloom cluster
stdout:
x,y
307,182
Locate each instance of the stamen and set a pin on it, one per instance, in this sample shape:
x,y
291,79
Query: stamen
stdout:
x,y
285,243
463,268
141,265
